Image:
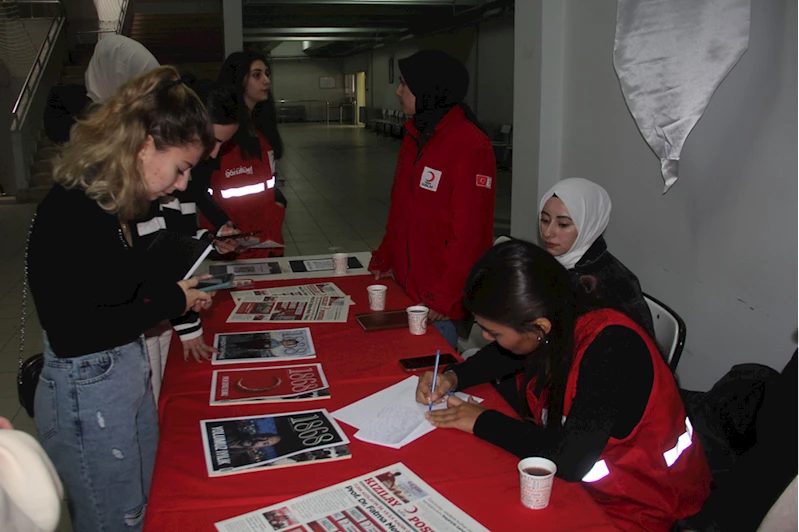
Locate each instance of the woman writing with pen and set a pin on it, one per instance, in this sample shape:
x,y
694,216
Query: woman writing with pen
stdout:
x,y
595,395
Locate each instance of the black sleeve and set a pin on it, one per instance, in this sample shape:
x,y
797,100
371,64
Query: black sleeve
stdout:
x,y
198,191
613,387
490,363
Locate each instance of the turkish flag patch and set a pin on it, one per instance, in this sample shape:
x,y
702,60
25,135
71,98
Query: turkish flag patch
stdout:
x,y
484,181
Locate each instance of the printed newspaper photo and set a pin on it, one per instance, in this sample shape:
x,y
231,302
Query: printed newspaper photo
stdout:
x,y
263,346
244,444
259,385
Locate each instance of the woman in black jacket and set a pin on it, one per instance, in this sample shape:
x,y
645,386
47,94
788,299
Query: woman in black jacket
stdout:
x,y
96,292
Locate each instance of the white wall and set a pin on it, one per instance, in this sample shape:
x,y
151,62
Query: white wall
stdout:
x,y
721,246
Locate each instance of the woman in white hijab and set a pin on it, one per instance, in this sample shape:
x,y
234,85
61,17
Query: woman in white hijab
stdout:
x,y
116,59
572,217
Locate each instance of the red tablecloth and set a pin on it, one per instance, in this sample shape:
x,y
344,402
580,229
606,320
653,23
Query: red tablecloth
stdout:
x,y
476,476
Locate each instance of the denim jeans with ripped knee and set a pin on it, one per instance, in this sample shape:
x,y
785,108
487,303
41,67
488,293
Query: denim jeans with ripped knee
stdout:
x,y
97,420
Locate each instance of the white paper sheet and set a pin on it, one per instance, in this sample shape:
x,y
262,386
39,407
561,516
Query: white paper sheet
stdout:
x,y
391,417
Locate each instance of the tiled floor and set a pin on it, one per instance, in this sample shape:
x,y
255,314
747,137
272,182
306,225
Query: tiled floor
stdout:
x,y
337,182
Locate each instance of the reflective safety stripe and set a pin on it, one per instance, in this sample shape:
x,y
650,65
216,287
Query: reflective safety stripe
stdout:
x,y
211,191
188,208
151,226
270,183
599,471
683,442
247,190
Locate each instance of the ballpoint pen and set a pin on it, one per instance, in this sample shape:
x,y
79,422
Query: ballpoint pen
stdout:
x,y
435,374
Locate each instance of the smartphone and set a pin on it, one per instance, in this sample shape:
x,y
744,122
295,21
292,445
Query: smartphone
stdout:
x,y
220,282
428,362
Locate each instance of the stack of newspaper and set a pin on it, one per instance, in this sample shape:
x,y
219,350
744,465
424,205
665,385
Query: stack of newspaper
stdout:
x,y
318,303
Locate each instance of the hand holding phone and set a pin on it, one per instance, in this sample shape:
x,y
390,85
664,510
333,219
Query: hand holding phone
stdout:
x,y
211,284
418,364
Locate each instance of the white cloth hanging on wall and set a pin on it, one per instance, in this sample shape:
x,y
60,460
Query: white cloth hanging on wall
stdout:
x,y
670,57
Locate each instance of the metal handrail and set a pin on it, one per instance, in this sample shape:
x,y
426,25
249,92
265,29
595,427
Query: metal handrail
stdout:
x,y
327,107
35,72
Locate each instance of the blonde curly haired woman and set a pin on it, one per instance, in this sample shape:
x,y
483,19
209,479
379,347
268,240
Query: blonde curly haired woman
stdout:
x,y
95,412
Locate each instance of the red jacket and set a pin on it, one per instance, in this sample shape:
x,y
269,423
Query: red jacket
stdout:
x,y
245,189
442,213
658,473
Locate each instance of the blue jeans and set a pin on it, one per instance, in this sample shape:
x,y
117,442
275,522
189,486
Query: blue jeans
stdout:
x,y
97,420
448,331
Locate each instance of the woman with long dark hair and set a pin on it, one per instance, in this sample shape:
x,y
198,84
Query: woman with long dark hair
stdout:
x,y
177,213
244,185
595,395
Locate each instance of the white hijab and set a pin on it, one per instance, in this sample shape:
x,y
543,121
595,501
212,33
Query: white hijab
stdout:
x,y
589,207
116,59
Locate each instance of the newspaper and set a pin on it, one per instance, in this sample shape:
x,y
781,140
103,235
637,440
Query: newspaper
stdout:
x,y
392,499
294,309
243,444
263,346
277,383
315,289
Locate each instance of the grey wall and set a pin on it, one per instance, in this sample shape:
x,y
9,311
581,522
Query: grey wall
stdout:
x,y
721,246
493,78
299,79
486,50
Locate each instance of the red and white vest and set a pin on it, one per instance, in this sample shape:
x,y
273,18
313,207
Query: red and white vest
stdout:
x,y
245,190
658,473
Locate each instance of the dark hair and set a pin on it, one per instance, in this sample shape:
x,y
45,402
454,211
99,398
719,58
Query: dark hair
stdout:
x,y
233,74
515,283
219,101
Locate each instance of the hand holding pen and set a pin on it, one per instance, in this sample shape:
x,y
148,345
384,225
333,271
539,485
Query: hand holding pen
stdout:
x,y
445,383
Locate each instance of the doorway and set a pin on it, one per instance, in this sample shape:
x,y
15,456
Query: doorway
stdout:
x,y
360,97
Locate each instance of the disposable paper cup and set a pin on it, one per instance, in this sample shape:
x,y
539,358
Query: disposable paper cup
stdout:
x,y
536,487
340,263
377,296
417,319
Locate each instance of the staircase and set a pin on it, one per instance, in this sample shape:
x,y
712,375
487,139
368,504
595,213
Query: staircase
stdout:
x,y
191,43
41,172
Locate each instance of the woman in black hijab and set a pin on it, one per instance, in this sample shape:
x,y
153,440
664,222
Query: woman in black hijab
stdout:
x,y
442,203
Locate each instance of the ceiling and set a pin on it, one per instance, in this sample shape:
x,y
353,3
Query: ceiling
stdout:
x,y
336,28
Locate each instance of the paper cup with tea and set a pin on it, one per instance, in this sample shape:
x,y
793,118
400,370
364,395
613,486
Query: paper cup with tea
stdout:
x,y
377,296
340,263
536,476
417,319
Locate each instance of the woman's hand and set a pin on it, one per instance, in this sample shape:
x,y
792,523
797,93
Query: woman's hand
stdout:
x,y
195,300
228,245
459,414
380,275
446,382
228,230
197,348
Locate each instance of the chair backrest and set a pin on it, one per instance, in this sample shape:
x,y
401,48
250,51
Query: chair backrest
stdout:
x,y
669,331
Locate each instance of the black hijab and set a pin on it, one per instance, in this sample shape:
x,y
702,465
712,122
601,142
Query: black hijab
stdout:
x,y
439,82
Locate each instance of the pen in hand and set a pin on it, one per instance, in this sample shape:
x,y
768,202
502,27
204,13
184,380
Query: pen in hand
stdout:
x,y
435,375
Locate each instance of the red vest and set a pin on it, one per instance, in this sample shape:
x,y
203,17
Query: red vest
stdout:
x,y
245,190
658,473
